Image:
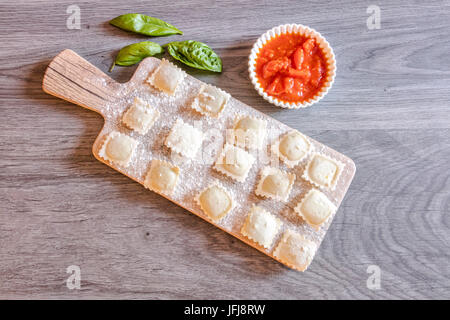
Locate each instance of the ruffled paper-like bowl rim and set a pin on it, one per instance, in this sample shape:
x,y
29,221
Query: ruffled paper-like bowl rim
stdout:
x,y
307,32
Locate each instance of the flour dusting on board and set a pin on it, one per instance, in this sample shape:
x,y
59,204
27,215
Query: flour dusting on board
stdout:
x,y
198,173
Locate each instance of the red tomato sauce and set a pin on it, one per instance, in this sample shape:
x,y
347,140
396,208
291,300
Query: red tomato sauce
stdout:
x,y
291,67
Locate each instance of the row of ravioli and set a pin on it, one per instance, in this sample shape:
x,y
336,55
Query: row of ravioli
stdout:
x,y
234,162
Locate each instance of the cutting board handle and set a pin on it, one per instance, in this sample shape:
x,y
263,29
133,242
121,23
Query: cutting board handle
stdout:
x,y
72,78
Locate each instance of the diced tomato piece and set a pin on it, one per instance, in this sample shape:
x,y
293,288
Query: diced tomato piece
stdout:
x,y
315,78
279,88
297,89
274,66
298,84
309,45
298,58
268,70
288,83
304,73
307,61
316,73
272,88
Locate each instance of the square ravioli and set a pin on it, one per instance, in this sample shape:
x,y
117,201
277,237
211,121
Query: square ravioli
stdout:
x,y
162,177
295,251
261,226
166,77
249,132
275,184
118,148
184,139
292,148
323,171
215,201
140,116
210,101
315,208
234,162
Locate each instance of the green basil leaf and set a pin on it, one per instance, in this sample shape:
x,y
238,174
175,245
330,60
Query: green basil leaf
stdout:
x,y
195,54
140,23
135,52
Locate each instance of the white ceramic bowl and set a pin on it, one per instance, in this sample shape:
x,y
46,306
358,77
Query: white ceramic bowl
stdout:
x,y
305,31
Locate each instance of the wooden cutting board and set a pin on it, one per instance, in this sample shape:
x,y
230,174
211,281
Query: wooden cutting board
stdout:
x,y
72,78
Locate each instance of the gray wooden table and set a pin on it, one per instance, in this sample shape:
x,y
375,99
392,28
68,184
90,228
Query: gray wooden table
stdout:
x,y
389,110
